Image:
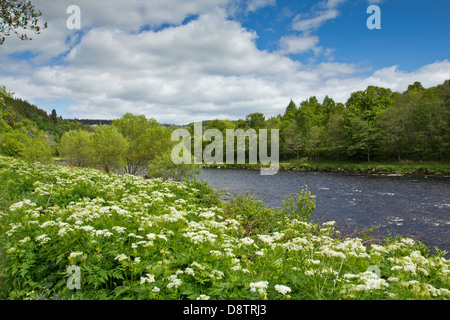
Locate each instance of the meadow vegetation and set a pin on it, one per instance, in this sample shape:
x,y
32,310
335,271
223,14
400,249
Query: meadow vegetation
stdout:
x,y
136,238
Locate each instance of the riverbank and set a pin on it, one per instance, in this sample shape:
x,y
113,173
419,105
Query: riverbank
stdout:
x,y
347,167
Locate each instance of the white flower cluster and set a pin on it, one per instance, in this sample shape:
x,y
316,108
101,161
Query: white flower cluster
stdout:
x,y
200,236
367,281
121,257
42,239
149,278
73,255
260,287
282,289
21,204
174,282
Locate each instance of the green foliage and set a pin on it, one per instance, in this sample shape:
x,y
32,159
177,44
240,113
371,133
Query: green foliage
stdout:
x,y
13,143
133,238
300,207
146,139
163,167
76,147
18,15
374,124
109,148
37,150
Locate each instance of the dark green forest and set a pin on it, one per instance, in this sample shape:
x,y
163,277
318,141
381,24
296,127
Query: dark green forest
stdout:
x,y
376,124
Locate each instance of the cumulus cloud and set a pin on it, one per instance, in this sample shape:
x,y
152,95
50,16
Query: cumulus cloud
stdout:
x,y
254,5
324,11
205,67
298,44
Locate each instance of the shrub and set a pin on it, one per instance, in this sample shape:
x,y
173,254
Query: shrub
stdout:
x,y
163,167
132,238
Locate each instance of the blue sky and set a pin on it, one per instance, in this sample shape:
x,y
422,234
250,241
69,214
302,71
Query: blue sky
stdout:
x,y
180,61
413,33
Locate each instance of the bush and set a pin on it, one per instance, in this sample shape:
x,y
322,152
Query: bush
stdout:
x,y
163,167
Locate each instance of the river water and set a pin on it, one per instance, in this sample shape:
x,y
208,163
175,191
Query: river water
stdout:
x,y
416,207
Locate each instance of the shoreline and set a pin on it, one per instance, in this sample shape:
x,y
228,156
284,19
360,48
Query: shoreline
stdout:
x,y
354,168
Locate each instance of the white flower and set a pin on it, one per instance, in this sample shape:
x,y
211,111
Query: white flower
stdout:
x,y
259,286
151,236
215,253
236,267
26,239
119,229
408,241
161,236
189,271
247,241
121,257
73,255
260,253
282,289
148,279
216,274
156,290
11,250
197,265
16,206
175,282
43,238
203,297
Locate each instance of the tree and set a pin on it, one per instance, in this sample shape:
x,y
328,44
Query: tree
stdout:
x,y
54,116
146,139
76,147
363,110
13,143
392,125
291,109
292,139
314,141
18,15
109,148
334,135
255,120
37,150
361,137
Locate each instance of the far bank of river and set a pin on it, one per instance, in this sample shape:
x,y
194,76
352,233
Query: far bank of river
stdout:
x,y
349,167
415,206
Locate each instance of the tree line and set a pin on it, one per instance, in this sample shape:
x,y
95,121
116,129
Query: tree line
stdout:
x,y
376,124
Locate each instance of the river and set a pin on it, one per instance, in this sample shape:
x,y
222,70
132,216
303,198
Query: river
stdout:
x,y
416,207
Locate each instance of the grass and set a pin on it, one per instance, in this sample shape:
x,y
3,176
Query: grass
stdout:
x,y
132,238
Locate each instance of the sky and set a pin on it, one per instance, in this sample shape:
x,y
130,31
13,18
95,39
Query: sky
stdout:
x,y
180,61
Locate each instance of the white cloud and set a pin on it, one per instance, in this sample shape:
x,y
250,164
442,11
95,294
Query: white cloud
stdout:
x,y
307,23
207,68
324,11
298,44
254,5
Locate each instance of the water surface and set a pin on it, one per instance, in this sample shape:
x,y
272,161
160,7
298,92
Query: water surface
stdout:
x,y
417,207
